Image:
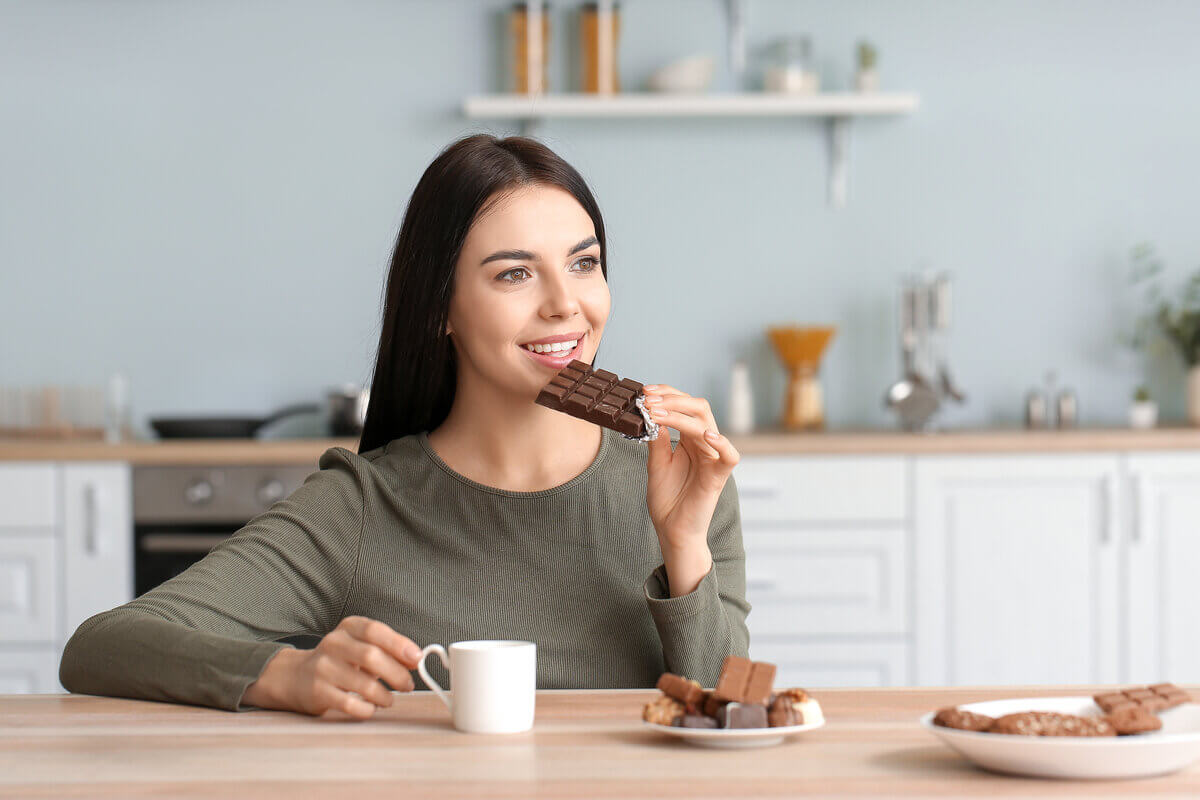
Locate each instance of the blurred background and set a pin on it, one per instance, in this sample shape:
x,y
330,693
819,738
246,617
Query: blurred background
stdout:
x,y
203,196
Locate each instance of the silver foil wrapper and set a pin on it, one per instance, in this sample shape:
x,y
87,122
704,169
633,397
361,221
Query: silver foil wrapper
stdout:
x,y
651,425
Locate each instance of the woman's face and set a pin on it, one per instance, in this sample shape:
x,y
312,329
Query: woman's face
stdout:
x,y
528,279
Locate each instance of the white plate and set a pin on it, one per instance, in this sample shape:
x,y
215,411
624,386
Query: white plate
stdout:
x,y
1172,748
734,737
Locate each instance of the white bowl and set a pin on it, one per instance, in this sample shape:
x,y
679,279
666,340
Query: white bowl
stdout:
x,y
691,74
1170,749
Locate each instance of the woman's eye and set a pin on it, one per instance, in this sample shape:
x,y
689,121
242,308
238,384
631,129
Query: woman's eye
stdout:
x,y
588,264
509,276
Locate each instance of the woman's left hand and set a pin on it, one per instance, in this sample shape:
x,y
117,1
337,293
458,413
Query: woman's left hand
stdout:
x,y
683,485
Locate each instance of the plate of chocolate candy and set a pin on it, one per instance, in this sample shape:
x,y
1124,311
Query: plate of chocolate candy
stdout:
x,y
743,710
1128,733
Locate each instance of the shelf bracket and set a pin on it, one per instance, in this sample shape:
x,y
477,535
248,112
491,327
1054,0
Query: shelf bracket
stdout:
x,y
735,19
839,156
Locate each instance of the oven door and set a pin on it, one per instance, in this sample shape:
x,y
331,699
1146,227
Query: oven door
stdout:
x,y
164,551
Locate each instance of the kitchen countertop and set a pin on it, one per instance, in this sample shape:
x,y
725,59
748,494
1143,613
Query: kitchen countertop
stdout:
x,y
767,442
588,743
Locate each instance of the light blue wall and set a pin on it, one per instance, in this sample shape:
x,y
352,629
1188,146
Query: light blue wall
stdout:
x,y
204,194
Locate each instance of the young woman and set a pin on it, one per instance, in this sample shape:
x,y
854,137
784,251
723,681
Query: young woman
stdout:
x,y
469,512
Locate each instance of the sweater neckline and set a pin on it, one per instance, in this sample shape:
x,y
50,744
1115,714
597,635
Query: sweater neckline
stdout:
x,y
423,440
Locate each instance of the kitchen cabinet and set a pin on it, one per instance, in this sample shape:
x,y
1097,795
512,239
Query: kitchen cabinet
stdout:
x,y
1162,554
827,545
1016,569
66,553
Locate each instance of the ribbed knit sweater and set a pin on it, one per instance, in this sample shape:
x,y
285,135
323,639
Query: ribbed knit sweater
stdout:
x,y
396,535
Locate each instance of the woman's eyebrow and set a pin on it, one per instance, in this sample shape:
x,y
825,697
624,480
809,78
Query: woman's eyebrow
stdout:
x,y
525,255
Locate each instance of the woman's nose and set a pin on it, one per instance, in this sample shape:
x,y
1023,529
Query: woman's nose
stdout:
x,y
560,299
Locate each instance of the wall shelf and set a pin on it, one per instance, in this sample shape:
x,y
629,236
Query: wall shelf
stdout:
x,y
836,108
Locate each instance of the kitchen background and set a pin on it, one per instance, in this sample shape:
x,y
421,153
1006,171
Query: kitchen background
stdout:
x,y
203,196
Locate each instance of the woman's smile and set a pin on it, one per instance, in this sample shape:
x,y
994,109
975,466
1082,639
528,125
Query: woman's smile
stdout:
x,y
556,351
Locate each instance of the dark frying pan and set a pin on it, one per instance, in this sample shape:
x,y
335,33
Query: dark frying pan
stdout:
x,y
223,427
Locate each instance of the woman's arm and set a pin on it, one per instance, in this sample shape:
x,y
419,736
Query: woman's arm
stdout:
x,y
205,635
699,628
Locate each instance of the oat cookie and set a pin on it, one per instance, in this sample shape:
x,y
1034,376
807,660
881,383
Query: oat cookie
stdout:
x,y
953,717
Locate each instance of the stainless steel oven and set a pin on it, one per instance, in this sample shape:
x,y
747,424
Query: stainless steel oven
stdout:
x,y
182,512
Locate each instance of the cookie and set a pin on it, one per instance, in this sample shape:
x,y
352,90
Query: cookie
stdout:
x,y
954,717
663,711
1049,723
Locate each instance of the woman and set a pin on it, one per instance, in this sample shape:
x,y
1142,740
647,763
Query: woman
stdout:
x,y
469,512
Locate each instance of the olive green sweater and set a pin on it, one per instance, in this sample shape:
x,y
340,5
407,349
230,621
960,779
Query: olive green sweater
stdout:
x,y
395,534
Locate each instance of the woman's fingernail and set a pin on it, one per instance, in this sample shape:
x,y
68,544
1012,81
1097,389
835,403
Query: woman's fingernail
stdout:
x,y
653,400
412,652
652,387
712,436
658,413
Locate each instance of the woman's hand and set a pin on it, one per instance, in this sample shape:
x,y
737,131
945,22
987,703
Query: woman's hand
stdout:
x,y
350,658
683,485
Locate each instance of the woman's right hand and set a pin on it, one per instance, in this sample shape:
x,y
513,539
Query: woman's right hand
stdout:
x,y
350,658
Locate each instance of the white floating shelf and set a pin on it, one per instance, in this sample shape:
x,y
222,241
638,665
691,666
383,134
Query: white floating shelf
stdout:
x,y
837,108
648,104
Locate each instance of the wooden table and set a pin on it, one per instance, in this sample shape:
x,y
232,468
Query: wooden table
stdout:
x,y
584,744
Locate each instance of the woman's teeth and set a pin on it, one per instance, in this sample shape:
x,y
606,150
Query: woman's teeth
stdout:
x,y
557,347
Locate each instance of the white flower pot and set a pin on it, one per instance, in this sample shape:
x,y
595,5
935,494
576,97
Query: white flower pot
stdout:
x,y
1193,395
867,80
1143,415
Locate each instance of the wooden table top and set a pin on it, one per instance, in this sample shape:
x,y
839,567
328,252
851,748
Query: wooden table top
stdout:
x,y
588,743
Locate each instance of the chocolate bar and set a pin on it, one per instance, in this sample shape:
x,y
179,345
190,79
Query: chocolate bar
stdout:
x,y
685,691
1158,697
599,396
745,681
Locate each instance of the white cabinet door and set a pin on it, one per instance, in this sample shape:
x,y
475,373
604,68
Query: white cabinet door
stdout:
x,y
1016,569
826,580
28,588
97,540
855,663
1163,620
822,489
33,671
28,495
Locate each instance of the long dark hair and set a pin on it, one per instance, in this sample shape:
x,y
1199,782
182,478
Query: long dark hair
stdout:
x,y
412,388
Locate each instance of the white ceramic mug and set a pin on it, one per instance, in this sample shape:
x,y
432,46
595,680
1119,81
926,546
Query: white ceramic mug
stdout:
x,y
492,684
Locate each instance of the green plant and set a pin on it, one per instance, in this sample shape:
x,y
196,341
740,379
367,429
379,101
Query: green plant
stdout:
x,y
867,56
1178,324
1142,395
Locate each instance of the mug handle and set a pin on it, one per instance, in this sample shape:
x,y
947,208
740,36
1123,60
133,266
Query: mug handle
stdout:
x,y
430,682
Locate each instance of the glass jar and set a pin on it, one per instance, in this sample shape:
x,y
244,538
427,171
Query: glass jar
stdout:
x,y
590,50
790,67
528,49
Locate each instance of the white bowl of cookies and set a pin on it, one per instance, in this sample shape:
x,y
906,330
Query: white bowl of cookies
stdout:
x,y
1131,733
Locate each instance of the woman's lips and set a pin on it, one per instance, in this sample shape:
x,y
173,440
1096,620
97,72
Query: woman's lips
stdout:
x,y
556,360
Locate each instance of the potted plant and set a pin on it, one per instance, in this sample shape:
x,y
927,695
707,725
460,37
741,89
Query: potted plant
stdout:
x,y
1143,411
867,77
1175,323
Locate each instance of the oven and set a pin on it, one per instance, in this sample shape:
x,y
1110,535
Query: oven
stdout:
x,y
182,512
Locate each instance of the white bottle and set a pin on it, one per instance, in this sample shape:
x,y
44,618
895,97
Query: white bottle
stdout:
x,y
741,400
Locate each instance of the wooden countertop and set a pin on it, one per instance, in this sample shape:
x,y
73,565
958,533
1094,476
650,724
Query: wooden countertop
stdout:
x,y
584,744
848,442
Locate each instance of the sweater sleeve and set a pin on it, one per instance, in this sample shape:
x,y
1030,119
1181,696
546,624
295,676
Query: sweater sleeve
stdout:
x,y
205,635
699,629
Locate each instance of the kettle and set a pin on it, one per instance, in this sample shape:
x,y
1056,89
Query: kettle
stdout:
x,y
347,409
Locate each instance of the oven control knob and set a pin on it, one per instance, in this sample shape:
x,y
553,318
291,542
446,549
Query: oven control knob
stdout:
x,y
269,491
198,492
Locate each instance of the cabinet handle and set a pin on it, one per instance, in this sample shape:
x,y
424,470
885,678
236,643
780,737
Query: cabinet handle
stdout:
x,y
1106,532
91,519
1137,500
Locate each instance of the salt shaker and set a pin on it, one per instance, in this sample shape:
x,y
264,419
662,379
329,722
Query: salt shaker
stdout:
x,y
741,400
1035,409
116,408
1067,409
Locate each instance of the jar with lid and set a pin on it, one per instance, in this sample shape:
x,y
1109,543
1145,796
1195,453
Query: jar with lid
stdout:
x,y
530,46
598,48
790,67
